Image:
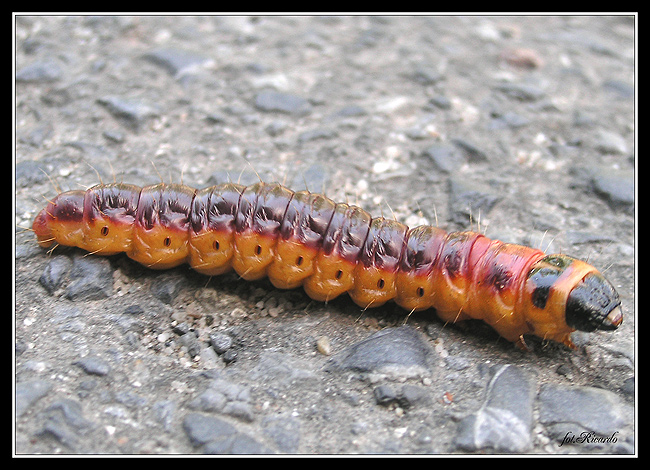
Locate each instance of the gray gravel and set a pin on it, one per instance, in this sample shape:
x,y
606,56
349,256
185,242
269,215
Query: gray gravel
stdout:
x,y
524,125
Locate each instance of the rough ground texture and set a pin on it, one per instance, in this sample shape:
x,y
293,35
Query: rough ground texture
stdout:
x,y
525,125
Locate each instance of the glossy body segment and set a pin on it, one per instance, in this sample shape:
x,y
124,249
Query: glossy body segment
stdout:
x,y
305,239
376,272
334,271
450,276
301,237
161,227
257,223
212,234
415,278
109,212
498,279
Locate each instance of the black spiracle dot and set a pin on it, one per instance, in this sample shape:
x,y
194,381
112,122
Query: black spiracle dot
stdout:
x,y
104,230
215,245
339,274
420,291
167,241
380,284
299,260
258,250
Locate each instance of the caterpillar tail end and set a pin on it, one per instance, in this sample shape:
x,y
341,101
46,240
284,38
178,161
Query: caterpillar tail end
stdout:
x,y
41,228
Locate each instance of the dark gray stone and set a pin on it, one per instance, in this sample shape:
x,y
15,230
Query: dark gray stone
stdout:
x,y
508,120
93,365
273,101
164,412
406,396
40,72
351,110
28,393
426,75
167,286
201,429
133,111
522,91
576,409
176,61
385,394
276,128
91,279
284,431
441,101
473,152
316,134
504,421
615,186
577,237
610,143
130,399
280,368
220,342
64,421
192,343
71,412
446,157
619,88
55,273
237,444
230,356
396,352
225,397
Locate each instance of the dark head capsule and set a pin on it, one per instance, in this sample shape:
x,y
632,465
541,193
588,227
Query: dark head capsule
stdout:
x,y
594,305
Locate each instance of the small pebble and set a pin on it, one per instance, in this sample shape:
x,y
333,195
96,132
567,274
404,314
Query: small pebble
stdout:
x,y
93,365
323,346
220,342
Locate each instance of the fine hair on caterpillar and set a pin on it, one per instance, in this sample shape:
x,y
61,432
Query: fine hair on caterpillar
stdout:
x,y
306,239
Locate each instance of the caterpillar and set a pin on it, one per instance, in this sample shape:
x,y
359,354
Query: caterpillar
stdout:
x,y
306,239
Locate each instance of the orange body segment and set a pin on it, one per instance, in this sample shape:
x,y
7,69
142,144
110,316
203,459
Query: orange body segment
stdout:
x,y
211,251
293,263
373,286
253,254
415,291
105,236
159,247
332,276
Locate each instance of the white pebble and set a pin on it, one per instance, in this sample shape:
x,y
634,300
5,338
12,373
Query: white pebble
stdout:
x,y
323,346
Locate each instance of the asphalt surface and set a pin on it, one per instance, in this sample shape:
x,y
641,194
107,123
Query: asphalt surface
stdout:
x,y
521,126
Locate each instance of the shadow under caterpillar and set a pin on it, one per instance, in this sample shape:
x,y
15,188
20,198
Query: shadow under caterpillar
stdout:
x,y
306,239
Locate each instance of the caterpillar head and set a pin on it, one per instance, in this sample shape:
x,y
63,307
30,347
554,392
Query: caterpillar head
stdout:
x,y
594,305
589,302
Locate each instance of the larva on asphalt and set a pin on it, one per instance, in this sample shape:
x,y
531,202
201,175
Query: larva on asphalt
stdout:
x,y
306,239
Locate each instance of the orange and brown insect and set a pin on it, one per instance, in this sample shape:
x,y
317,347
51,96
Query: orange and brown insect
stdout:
x,y
306,239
